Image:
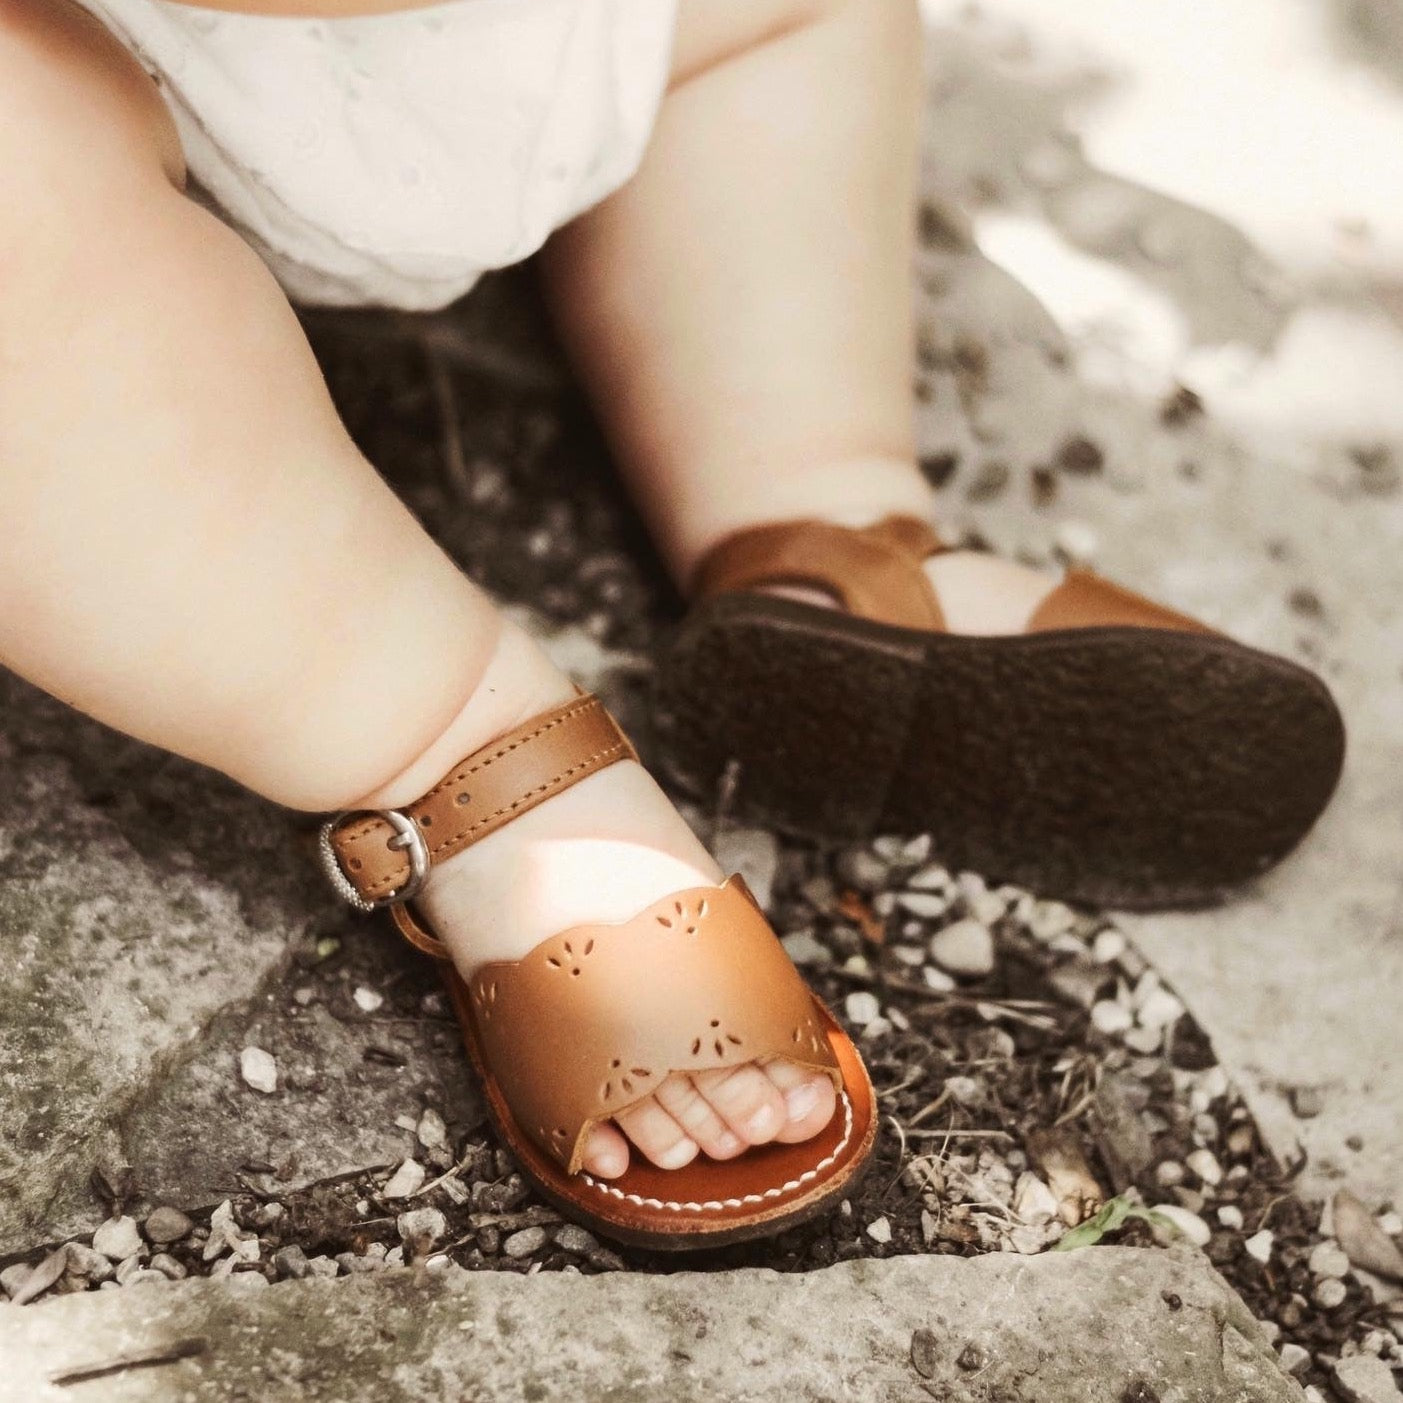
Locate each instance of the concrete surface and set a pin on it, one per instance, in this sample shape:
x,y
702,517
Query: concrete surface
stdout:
x,y
1081,1327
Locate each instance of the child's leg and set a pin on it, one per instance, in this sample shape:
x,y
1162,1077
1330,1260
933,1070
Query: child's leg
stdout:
x,y
196,553
743,307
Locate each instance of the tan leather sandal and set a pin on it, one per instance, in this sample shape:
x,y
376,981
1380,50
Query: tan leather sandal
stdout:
x,y
595,1018
1115,752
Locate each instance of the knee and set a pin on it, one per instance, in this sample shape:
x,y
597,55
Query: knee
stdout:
x,y
75,109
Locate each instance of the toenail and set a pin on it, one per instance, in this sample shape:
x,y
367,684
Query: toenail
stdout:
x,y
728,1144
609,1164
678,1155
801,1100
761,1122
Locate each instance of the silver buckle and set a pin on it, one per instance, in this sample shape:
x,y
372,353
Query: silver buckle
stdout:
x,y
407,836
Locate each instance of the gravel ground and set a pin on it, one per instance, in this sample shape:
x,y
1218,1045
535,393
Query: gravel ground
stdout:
x,y
1030,1066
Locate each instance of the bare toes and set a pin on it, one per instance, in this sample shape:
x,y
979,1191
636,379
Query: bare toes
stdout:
x,y
809,1099
679,1096
746,1099
606,1152
656,1134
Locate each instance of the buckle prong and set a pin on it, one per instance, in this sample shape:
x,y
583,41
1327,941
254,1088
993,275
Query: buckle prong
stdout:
x,y
406,837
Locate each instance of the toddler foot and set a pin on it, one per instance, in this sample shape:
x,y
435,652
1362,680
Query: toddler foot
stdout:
x,y
601,852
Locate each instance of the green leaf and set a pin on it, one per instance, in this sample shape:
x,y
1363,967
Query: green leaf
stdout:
x,y
1111,1217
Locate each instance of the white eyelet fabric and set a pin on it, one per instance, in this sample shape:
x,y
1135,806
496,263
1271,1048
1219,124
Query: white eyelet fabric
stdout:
x,y
391,159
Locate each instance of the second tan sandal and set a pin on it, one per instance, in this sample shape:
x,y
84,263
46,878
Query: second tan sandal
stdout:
x,y
1114,752
596,1017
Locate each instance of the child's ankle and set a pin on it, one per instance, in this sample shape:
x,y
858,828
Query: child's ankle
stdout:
x,y
856,490
518,682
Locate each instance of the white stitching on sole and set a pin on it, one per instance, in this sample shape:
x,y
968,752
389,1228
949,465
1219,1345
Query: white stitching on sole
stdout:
x,y
719,1205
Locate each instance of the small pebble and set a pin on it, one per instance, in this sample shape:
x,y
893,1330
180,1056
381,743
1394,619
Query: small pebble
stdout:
x,y
1259,1246
36,1280
862,1007
862,869
431,1131
258,1069
422,1228
1169,1172
1033,1201
915,850
291,1261
1108,945
167,1225
1107,1016
753,853
321,1266
964,948
968,1091
1294,1357
1230,1216
1328,1259
909,955
1190,1227
926,905
405,1180
367,1000
804,949
1077,541
1049,919
1204,1163
1159,1010
525,1242
1329,1293
118,1239
1080,980
879,1231
167,1265
932,877
1144,1040
570,1238
85,1262
937,979
988,907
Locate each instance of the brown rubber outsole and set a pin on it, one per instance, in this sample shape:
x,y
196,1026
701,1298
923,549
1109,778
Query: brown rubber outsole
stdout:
x,y
1117,766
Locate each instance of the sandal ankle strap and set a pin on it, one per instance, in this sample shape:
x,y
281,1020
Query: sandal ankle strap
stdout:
x,y
873,571
382,857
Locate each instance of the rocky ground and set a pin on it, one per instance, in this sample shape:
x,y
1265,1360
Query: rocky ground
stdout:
x,y
208,1070
1032,1067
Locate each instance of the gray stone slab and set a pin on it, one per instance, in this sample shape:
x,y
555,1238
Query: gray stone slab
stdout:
x,y
1096,1325
139,897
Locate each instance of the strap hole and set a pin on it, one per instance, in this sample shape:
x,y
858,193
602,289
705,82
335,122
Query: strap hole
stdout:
x,y
462,799
425,820
355,864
